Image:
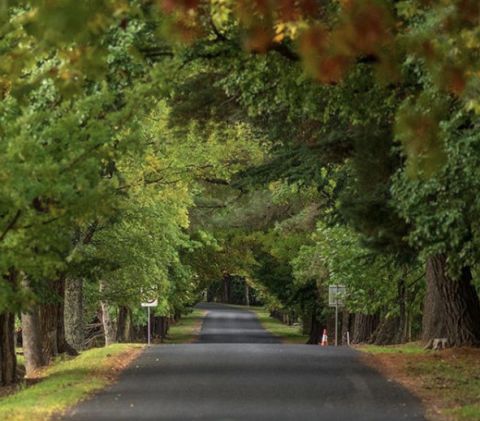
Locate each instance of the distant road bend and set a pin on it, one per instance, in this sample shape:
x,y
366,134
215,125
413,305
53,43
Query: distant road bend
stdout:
x,y
239,371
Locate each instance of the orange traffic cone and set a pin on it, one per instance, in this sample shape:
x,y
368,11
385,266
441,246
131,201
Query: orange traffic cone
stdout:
x,y
324,338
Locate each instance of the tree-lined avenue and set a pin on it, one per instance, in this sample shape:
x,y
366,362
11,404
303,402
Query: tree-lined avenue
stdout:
x,y
221,379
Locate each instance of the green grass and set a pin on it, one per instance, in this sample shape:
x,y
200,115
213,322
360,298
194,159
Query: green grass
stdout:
x,y
186,329
20,357
467,412
64,383
288,334
409,348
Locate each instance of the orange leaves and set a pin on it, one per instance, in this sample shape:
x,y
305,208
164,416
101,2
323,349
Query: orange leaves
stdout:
x,y
185,18
469,11
362,31
367,25
417,127
258,39
319,57
454,80
171,6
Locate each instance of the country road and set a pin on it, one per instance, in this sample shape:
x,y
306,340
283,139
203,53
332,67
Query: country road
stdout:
x,y
238,371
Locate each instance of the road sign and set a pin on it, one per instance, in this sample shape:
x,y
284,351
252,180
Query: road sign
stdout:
x,y
150,303
336,298
336,295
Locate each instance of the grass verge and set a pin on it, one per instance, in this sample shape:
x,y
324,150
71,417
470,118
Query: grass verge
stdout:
x,y
448,382
187,329
288,334
63,384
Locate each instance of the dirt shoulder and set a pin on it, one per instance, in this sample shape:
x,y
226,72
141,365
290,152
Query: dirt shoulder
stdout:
x,y
447,382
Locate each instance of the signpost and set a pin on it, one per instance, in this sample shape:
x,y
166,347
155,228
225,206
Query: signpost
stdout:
x,y
149,304
336,296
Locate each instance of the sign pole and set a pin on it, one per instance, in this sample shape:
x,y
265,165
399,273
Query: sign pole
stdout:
x,y
336,324
148,324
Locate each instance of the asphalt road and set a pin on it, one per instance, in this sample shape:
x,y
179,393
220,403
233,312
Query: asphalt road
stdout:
x,y
238,371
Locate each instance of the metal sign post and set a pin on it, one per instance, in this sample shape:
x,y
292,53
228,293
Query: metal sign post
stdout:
x,y
336,295
149,304
148,327
336,324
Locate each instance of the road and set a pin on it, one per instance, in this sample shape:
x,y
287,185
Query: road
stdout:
x,y
238,371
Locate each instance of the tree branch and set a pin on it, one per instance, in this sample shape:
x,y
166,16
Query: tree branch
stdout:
x,y
11,224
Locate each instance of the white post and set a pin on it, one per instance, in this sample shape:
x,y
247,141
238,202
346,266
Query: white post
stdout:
x,y
148,324
336,324
348,338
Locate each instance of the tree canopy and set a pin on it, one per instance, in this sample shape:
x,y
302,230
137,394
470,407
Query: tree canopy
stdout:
x,y
165,147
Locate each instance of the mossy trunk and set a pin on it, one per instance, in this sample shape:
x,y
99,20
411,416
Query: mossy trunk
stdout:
x,y
32,341
73,313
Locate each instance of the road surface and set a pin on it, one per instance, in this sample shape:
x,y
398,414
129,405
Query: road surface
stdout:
x,y
238,371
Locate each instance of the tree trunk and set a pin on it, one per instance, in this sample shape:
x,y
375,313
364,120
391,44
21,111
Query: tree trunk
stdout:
x,y
460,303
346,327
363,327
402,332
8,361
51,321
434,322
124,325
306,323
32,341
226,288
162,327
62,344
108,328
247,294
387,332
107,322
73,313
315,334
393,330
32,336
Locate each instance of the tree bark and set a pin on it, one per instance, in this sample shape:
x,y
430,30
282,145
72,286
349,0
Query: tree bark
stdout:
x,y
434,322
346,327
459,302
162,328
363,327
51,321
124,325
8,360
73,313
226,288
32,336
107,322
387,332
394,330
315,334
32,341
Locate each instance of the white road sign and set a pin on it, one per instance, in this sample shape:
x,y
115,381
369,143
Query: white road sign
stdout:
x,y
150,303
336,295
